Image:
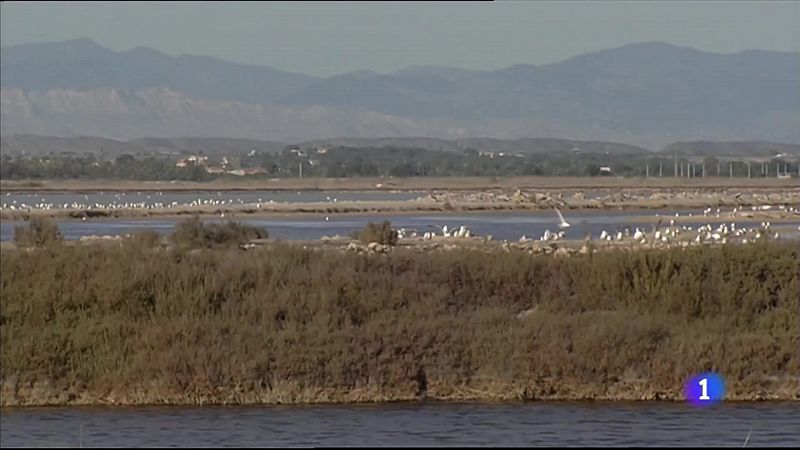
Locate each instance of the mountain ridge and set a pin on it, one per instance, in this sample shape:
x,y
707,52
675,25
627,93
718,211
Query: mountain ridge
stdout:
x,y
647,94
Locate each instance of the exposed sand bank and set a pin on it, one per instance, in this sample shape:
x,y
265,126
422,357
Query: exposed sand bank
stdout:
x,y
774,203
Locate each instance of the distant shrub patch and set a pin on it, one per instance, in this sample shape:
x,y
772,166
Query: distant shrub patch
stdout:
x,y
39,231
195,234
380,233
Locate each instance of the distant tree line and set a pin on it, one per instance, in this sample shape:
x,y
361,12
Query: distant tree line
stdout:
x,y
88,166
343,162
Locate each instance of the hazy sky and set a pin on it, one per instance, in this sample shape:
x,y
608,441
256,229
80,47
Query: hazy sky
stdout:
x,y
332,38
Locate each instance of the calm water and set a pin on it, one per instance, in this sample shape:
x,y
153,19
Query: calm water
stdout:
x,y
540,424
509,226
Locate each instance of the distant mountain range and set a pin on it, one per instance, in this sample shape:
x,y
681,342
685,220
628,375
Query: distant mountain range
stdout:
x,y
648,94
41,145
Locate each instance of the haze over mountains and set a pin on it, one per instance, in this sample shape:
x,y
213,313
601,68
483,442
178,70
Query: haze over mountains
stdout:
x,y
648,94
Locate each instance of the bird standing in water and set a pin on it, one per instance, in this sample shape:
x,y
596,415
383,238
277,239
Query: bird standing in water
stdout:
x,y
563,223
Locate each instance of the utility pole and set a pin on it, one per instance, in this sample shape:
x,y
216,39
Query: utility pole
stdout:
x,y
675,173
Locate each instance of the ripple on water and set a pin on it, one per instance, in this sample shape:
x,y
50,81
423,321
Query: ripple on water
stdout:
x,y
618,424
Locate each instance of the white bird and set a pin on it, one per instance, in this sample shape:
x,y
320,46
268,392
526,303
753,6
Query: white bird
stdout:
x,y
603,235
563,223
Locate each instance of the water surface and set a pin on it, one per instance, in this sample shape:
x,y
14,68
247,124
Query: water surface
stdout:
x,y
465,424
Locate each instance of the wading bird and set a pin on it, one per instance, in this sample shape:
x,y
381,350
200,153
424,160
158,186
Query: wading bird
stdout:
x,y
563,223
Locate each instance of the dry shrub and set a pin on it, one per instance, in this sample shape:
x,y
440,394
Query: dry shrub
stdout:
x,y
380,233
284,323
39,231
193,233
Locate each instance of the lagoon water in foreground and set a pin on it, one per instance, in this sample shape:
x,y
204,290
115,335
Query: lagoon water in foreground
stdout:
x,y
510,226
539,424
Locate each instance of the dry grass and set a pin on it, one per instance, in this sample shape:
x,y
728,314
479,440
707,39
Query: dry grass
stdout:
x,y
279,324
39,231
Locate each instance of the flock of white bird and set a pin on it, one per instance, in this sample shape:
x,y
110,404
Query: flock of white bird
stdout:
x,y
704,234
461,232
722,233
117,202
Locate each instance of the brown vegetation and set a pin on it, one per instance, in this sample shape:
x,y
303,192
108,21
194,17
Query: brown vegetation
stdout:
x,y
194,233
382,233
37,232
135,324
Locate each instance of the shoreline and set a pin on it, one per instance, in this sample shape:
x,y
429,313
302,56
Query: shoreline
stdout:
x,y
462,196
77,216
317,209
397,184
356,399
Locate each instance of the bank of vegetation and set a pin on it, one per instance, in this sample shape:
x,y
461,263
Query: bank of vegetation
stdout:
x,y
348,162
147,322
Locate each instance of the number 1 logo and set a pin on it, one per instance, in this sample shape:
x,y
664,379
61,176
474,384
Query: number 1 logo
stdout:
x,y
704,384
705,389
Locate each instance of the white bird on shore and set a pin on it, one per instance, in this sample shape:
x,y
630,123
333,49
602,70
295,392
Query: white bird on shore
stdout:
x,y
563,223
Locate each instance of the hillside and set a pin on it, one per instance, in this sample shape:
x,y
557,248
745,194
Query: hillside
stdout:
x,y
647,94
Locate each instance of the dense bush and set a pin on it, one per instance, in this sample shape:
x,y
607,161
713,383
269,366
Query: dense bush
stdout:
x,y
194,233
283,324
37,232
381,233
